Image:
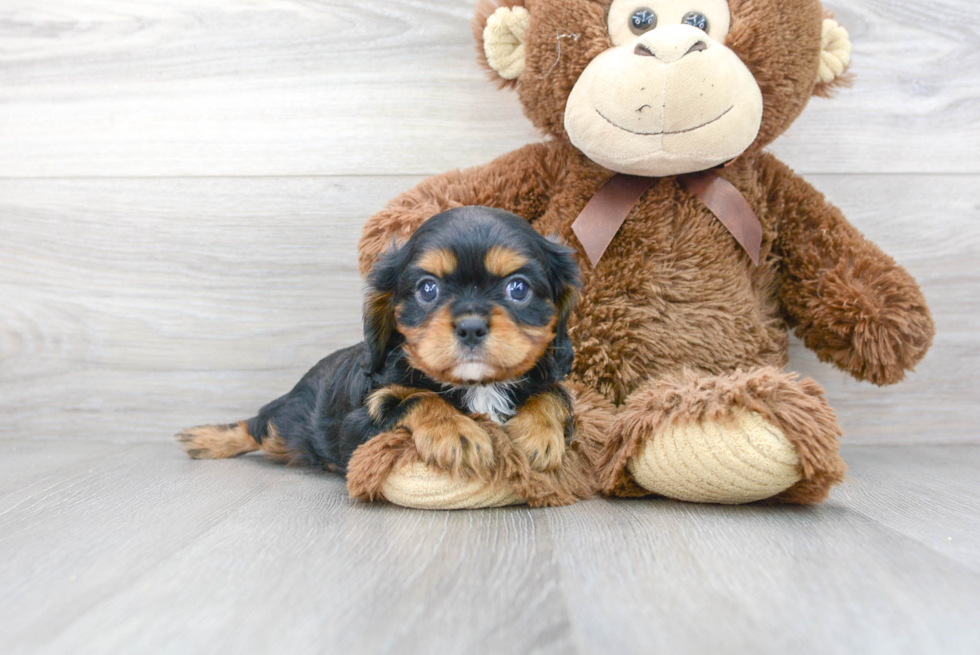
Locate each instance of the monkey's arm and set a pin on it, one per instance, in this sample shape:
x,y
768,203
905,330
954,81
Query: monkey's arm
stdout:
x,y
520,182
849,301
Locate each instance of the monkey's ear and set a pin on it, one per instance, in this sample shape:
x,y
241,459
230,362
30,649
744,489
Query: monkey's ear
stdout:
x,y
380,334
499,32
565,278
835,57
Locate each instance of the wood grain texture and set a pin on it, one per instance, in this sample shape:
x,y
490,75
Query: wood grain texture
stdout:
x,y
306,87
133,548
133,308
898,487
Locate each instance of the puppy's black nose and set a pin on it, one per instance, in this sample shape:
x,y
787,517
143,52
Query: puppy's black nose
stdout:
x,y
471,330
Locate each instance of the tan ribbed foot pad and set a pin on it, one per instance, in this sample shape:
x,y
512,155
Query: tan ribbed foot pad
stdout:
x,y
740,460
419,486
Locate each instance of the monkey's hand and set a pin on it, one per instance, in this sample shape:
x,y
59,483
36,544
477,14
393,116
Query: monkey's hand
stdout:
x,y
869,318
850,302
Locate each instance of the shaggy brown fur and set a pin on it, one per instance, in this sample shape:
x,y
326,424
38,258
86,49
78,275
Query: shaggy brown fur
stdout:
x,y
374,461
674,292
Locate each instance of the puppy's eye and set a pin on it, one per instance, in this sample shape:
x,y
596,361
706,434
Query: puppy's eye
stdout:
x,y
696,19
518,290
642,20
427,291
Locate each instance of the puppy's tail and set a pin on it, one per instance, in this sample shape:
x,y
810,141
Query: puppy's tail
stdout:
x,y
234,439
217,441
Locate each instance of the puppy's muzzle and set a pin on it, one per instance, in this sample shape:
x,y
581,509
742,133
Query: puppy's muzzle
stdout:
x,y
471,331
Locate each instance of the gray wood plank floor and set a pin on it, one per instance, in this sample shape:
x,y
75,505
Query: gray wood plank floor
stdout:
x,y
113,548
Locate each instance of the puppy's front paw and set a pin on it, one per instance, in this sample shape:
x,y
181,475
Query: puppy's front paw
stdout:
x,y
539,431
448,439
544,448
455,446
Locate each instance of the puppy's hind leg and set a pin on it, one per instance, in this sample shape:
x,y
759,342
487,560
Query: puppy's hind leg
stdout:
x,y
217,441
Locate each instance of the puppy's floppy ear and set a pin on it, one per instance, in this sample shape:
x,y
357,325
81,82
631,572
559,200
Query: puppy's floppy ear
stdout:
x,y
564,276
380,334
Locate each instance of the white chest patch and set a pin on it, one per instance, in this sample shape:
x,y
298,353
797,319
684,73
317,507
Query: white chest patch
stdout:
x,y
490,399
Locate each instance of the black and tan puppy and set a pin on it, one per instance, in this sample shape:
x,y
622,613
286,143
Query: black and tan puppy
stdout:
x,y
465,322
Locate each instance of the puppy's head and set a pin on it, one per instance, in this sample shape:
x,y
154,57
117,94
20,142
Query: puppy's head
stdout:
x,y
475,296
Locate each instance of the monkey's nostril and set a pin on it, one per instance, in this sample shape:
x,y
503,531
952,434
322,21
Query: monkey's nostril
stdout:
x,y
643,51
697,47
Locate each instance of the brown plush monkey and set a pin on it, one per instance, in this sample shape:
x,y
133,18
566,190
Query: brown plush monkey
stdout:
x,y
680,337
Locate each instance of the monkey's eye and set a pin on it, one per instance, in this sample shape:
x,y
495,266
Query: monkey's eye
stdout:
x,y
696,19
427,291
642,20
518,290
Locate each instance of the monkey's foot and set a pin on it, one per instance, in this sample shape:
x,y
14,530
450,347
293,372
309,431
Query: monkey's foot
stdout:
x,y
740,460
739,437
421,486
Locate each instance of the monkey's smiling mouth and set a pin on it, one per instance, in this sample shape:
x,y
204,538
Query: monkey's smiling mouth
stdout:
x,y
663,132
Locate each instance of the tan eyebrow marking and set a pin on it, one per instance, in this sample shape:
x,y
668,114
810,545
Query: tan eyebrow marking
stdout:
x,y
503,261
439,262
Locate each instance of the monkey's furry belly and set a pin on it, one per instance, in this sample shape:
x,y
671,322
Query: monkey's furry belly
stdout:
x,y
619,346
675,294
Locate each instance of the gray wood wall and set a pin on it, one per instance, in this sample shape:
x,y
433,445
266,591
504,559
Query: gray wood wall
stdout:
x,y
182,184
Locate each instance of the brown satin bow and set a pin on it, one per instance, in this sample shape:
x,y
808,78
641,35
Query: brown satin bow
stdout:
x,y
605,213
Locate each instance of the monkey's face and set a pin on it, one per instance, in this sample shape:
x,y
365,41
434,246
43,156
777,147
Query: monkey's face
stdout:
x,y
669,97
663,87
477,296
